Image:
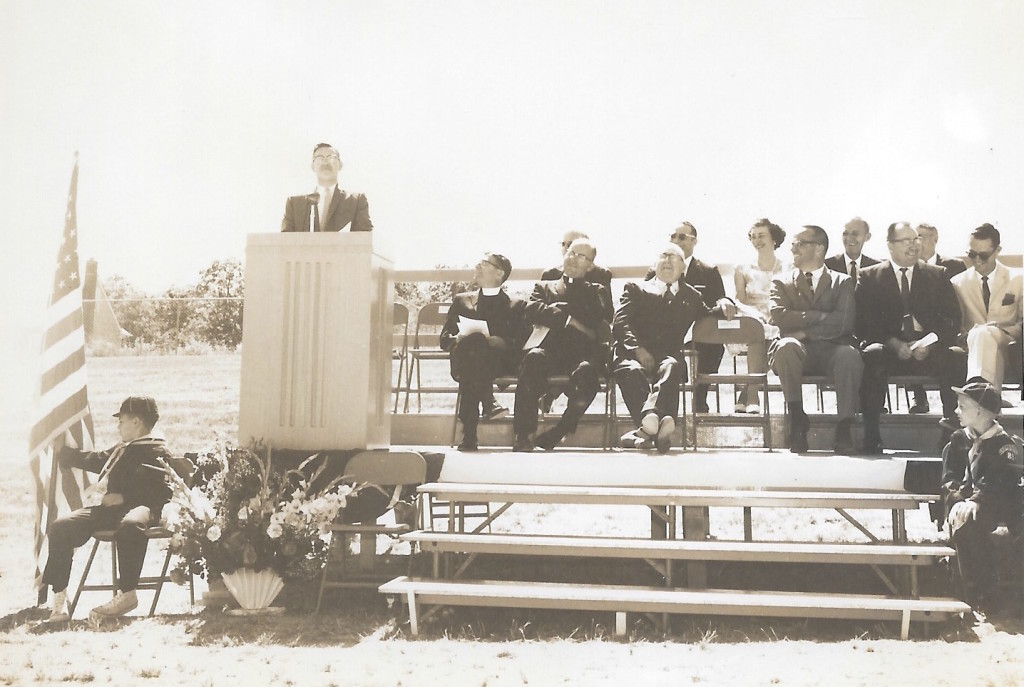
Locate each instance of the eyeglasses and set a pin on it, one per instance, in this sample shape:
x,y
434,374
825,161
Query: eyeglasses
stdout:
x,y
801,244
680,237
980,257
566,244
671,256
916,239
325,158
577,256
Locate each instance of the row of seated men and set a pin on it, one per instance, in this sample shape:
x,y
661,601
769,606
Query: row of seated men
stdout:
x,y
900,316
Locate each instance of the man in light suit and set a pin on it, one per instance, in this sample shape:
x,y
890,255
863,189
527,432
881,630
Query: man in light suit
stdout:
x,y
814,311
992,320
328,208
908,321
571,319
707,280
649,328
855,234
476,359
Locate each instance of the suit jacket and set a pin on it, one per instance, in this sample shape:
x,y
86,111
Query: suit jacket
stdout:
x,y
840,263
828,314
504,317
596,275
705,278
553,302
137,475
345,209
646,318
933,303
954,266
1005,301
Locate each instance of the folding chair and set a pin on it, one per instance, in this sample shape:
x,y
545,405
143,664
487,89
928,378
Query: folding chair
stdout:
x,y
744,330
400,469
426,346
400,347
152,582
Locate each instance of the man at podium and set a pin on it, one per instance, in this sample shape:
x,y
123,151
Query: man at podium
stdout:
x,y
328,208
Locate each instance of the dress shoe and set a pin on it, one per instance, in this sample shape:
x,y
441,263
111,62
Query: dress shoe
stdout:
x,y
842,444
799,423
650,424
666,428
920,409
468,445
873,448
635,438
950,423
493,411
522,444
550,438
753,408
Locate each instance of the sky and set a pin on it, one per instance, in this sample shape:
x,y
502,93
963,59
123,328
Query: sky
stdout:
x,y
486,125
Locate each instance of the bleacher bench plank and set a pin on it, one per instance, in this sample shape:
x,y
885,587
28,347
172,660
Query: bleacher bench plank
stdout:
x,y
620,599
643,496
679,549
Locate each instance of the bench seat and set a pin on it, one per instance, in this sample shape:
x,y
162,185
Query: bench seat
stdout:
x,y
679,549
621,599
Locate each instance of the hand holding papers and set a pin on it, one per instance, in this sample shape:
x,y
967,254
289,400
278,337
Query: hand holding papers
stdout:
x,y
469,326
926,340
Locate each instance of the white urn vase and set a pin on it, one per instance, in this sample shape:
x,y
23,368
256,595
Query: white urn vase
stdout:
x,y
253,590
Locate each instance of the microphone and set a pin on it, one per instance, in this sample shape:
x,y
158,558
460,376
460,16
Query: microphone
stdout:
x,y
314,200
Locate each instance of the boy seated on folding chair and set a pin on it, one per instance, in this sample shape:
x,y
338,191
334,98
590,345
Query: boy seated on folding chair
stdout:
x,y
980,489
131,492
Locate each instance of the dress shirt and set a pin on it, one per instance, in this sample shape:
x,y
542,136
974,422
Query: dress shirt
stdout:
x,y
910,282
816,277
490,290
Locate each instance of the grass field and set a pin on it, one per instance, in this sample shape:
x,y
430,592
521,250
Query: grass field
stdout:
x,y
355,641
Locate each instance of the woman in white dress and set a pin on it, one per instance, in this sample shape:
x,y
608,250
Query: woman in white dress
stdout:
x,y
753,288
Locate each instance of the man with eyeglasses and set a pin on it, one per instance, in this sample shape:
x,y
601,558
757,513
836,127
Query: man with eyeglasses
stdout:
x,y
477,357
929,236
813,307
649,327
570,318
596,274
851,261
327,208
707,280
908,322
991,299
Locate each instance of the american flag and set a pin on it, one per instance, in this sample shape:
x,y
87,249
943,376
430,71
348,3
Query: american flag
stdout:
x,y
63,408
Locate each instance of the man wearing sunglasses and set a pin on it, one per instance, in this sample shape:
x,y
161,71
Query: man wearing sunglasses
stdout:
x,y
908,322
990,297
707,280
327,208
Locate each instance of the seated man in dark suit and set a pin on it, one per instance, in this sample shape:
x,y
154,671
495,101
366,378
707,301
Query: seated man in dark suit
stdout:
x,y
596,274
477,358
707,280
814,310
649,328
851,261
929,236
908,321
328,208
980,490
570,318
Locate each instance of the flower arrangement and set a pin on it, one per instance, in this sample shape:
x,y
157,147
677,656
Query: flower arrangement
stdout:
x,y
240,513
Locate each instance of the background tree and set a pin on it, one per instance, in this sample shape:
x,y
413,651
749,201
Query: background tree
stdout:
x,y
218,320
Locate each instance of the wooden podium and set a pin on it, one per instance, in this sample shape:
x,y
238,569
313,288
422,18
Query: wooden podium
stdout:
x,y
316,342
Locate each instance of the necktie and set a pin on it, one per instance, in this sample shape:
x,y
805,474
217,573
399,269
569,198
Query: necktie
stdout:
x,y
853,270
809,279
325,205
986,294
908,319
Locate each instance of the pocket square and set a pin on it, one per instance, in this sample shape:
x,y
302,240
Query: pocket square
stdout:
x,y
1009,299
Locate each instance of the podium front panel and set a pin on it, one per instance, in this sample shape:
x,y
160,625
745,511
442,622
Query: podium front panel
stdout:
x,y
316,342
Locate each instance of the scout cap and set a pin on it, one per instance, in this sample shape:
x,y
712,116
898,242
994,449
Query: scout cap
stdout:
x,y
143,407
982,393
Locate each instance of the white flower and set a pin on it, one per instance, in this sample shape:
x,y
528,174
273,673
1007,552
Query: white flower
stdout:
x,y
274,530
243,513
213,534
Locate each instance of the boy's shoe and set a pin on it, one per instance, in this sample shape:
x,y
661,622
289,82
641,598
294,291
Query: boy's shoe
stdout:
x,y
59,613
116,607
